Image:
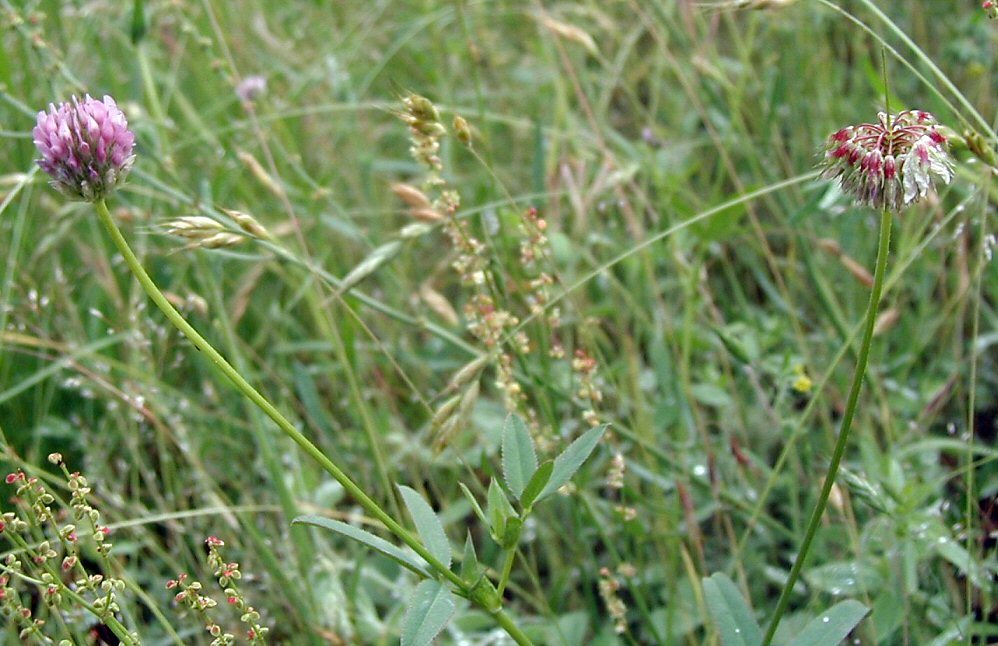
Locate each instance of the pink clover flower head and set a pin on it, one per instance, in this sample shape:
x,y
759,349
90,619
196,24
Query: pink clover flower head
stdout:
x,y
251,87
891,163
85,146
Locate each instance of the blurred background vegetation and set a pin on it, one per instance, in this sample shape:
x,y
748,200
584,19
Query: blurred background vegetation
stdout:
x,y
619,121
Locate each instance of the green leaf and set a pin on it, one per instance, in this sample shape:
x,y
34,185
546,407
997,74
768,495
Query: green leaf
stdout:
x,y
511,535
711,395
498,511
960,558
474,503
519,459
566,464
431,607
536,485
398,555
832,626
138,30
469,562
844,578
736,344
730,613
428,525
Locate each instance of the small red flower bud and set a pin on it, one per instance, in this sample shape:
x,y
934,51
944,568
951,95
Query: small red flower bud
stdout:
x,y
890,167
841,151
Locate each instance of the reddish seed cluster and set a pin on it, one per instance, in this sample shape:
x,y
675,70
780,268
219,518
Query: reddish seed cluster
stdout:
x,y
890,163
584,368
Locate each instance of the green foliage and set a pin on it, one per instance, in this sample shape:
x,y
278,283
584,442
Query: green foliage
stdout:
x,y
736,624
400,556
832,626
430,608
431,530
692,256
519,458
732,616
569,461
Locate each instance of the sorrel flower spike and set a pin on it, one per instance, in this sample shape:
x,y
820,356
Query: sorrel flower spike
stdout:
x,y
86,147
889,164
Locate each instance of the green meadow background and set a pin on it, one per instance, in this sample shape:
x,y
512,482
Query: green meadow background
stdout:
x,y
717,282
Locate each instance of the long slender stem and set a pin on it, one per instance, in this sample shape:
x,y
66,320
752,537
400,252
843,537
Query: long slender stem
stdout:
x,y
282,422
883,250
507,568
511,628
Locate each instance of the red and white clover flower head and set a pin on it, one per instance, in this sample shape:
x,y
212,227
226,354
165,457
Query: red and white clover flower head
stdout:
x,y
890,163
85,146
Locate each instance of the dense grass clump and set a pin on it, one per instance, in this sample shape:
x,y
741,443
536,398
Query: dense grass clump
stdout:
x,y
541,320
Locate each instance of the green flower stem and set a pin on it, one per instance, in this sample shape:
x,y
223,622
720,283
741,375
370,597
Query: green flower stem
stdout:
x,y
511,628
883,250
507,568
365,501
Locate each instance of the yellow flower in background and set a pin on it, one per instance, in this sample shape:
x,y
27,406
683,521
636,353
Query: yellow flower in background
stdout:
x,y
802,383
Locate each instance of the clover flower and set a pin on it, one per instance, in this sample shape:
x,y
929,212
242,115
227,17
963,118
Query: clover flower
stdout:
x,y
891,163
251,87
85,146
